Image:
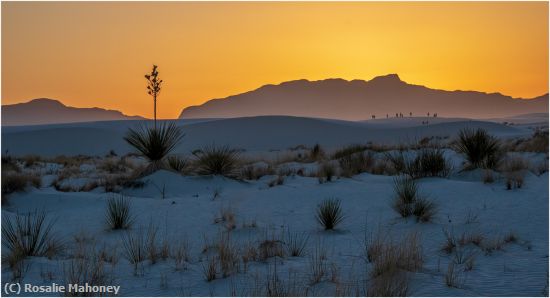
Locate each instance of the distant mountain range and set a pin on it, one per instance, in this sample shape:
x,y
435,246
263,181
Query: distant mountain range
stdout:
x,y
48,111
359,100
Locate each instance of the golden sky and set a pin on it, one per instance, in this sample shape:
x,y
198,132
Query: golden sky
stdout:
x,y
96,53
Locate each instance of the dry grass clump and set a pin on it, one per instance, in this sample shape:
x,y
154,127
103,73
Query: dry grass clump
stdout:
x,y
537,143
390,263
17,264
271,247
354,160
326,172
86,271
251,172
216,160
18,182
228,255
227,218
316,153
296,243
514,169
329,213
454,277
209,269
140,245
407,200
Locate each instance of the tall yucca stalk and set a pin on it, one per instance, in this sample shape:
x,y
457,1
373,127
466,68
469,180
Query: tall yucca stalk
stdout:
x,y
153,88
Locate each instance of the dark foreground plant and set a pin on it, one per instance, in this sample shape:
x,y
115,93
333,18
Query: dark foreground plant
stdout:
x,y
155,143
27,235
119,213
329,213
480,149
216,160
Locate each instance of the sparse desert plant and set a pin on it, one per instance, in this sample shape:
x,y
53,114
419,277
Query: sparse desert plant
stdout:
x,y
480,149
85,271
140,245
296,243
227,218
155,143
356,163
389,284
316,153
406,194
18,182
228,255
424,210
492,244
510,237
28,234
405,255
514,169
326,172
269,248
251,172
429,162
119,213
177,163
329,213
537,143
450,241
349,150
216,160
454,276
317,263
17,263
209,269
153,88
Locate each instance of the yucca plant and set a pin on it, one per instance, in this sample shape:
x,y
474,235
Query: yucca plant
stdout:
x,y
406,191
176,163
27,235
216,160
155,143
118,214
479,148
329,213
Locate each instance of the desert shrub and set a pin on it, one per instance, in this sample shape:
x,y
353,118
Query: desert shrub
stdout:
x,y
139,246
329,213
17,263
9,164
537,143
326,172
480,149
269,248
349,150
155,143
114,165
177,163
29,234
31,160
250,172
356,163
407,200
216,160
17,182
296,243
119,215
316,153
514,168
429,162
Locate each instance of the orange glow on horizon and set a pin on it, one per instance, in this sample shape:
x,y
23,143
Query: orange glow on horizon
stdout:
x,y
88,54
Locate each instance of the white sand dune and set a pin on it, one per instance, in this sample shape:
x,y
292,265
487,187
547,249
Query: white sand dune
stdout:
x,y
262,133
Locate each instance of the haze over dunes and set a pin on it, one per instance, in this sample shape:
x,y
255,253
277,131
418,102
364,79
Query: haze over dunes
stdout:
x,y
95,53
359,100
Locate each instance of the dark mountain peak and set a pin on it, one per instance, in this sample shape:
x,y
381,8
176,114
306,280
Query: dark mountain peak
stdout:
x,y
391,78
45,101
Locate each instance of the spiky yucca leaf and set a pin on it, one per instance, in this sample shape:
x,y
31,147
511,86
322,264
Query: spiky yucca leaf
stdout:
x,y
118,214
216,160
155,143
329,213
479,148
27,234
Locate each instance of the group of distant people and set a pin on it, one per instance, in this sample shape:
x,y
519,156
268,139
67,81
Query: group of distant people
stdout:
x,y
400,115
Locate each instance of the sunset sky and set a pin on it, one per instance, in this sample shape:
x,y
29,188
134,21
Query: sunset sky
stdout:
x,y
96,53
